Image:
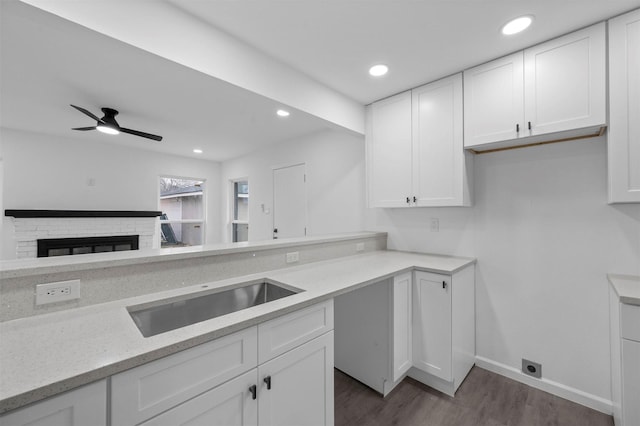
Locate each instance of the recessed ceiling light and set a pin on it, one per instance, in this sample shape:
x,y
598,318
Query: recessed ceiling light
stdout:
x,y
107,129
282,113
197,151
517,25
378,70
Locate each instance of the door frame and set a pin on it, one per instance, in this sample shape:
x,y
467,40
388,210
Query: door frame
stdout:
x,y
273,194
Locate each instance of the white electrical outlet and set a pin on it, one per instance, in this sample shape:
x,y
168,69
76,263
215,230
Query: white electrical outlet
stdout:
x,y
292,257
435,224
359,246
57,292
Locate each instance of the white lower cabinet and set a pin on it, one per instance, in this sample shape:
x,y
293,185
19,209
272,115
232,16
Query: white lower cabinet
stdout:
x,y
401,328
296,389
80,407
432,324
625,361
420,324
230,404
631,381
443,328
277,373
373,333
150,389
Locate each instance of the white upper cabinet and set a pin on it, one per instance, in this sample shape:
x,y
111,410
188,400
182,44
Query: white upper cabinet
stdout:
x,y
564,82
493,101
624,108
439,160
389,151
552,91
415,148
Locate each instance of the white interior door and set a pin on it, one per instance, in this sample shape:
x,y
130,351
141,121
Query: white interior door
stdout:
x,y
289,202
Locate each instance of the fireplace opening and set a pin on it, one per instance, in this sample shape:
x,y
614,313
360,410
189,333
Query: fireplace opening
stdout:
x,y
86,245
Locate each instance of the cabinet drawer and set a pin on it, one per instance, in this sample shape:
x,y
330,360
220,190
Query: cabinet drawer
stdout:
x,y
82,406
279,335
630,322
150,389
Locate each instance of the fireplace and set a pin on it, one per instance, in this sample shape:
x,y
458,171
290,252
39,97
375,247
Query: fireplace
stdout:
x,y
70,232
85,245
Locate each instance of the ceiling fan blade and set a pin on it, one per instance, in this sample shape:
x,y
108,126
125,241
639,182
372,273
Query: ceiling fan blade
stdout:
x,y
143,134
84,111
84,128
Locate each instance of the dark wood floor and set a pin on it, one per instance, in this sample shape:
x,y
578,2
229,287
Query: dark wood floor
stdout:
x,y
483,399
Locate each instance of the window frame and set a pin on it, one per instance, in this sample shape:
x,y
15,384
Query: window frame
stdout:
x,y
232,208
202,221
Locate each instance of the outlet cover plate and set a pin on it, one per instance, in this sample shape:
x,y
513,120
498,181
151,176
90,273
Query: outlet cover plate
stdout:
x,y
531,368
292,257
57,292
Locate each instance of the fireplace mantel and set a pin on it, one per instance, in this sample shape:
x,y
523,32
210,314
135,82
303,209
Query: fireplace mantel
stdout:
x,y
79,213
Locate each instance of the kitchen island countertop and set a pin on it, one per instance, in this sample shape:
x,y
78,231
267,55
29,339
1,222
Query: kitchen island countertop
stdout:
x,y
44,355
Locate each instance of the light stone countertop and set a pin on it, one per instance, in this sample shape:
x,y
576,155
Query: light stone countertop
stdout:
x,y
49,265
44,355
627,287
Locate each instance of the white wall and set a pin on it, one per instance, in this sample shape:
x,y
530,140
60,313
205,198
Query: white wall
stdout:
x,y
44,172
545,239
335,183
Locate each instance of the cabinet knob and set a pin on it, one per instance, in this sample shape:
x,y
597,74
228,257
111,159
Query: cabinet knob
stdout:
x,y
267,380
415,200
253,390
408,200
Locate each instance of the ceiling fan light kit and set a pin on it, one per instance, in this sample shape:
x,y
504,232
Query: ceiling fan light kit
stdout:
x,y
108,124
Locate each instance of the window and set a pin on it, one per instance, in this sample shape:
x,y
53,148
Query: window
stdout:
x,y
240,214
182,205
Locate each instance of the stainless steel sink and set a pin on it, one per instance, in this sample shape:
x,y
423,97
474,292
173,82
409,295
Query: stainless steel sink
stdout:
x,y
179,313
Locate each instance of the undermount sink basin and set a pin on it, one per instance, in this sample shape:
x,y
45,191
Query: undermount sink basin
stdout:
x,y
180,313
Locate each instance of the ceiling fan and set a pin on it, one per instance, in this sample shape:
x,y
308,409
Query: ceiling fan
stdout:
x,y
109,125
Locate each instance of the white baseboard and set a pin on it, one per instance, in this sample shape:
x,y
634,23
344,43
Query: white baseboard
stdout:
x,y
554,388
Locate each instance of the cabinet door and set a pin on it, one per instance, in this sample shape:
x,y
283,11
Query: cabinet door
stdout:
x,y
624,108
631,382
389,151
564,82
402,330
432,324
230,404
299,391
438,152
493,101
83,406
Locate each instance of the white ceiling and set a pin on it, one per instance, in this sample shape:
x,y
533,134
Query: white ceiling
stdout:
x,y
336,41
48,63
